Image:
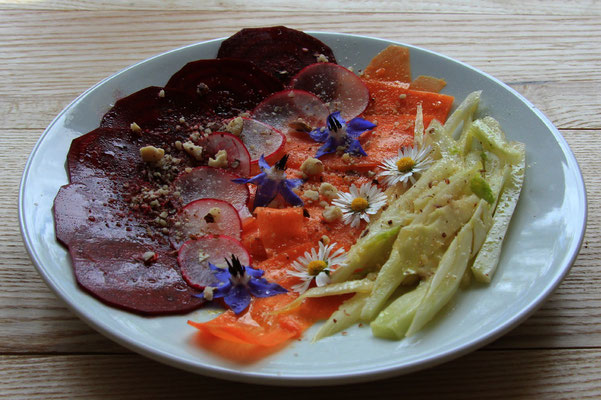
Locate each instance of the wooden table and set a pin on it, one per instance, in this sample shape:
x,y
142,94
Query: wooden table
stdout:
x,y
51,51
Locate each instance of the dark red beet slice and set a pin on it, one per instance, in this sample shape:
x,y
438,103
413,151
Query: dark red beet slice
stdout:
x,y
292,110
114,270
336,86
213,183
155,107
278,50
195,255
205,217
238,157
228,86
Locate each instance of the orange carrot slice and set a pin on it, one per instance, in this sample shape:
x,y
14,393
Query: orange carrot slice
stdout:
x,y
428,84
391,64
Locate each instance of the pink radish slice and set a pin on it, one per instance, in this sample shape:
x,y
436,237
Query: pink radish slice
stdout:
x,y
203,217
336,86
261,139
238,157
195,255
286,109
213,183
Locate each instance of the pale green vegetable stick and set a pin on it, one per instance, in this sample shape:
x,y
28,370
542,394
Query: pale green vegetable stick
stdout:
x,y
446,280
349,313
487,259
394,320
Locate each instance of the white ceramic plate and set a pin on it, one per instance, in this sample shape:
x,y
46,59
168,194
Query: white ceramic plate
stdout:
x,y
543,241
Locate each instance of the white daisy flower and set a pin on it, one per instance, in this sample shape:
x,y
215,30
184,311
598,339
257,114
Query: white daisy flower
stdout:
x,y
316,264
360,203
403,168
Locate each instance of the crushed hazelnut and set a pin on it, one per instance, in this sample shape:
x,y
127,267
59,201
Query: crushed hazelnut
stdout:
x,y
321,58
135,127
325,240
162,93
235,126
312,167
149,256
332,213
312,195
208,293
328,190
220,160
192,149
151,154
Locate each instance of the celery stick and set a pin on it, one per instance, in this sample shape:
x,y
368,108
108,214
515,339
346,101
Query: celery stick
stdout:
x,y
463,113
394,320
348,313
446,279
487,259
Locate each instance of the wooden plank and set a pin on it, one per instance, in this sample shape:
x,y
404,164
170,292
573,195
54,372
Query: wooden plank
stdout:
x,y
572,7
558,374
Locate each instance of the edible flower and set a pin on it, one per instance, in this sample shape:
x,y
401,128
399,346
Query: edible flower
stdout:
x,y
360,203
339,134
317,264
237,284
403,168
271,181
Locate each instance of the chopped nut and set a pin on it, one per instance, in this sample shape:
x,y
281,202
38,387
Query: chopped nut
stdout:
x,y
192,149
208,293
182,120
321,58
332,213
220,160
151,154
149,256
312,195
346,157
235,126
215,212
178,145
135,127
312,167
162,93
325,240
328,190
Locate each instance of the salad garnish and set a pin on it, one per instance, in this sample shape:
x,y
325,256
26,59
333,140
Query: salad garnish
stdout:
x,y
237,284
410,161
360,203
271,182
316,265
339,134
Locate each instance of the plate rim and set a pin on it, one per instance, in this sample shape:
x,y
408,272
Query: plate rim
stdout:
x,y
216,371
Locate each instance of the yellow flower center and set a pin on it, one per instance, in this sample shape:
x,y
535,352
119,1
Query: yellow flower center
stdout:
x,y
405,164
316,266
359,204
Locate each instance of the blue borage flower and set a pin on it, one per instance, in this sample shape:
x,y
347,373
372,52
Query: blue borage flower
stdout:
x,y
271,181
237,284
341,134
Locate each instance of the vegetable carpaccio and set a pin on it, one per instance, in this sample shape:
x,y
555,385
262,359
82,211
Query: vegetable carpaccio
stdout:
x,y
131,179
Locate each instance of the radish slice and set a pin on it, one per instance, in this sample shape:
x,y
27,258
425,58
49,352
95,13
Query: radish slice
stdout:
x,y
238,157
203,217
292,110
195,255
213,183
261,139
336,86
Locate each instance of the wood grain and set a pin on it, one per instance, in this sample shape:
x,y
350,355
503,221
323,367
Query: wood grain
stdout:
x,y
510,7
540,374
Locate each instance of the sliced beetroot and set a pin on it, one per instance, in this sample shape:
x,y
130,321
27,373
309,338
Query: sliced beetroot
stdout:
x,y
212,183
131,275
238,157
205,217
292,110
228,86
156,107
278,50
336,86
194,257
